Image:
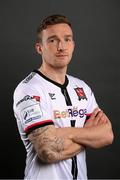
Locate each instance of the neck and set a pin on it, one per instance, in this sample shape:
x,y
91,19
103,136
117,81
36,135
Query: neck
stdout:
x,y
57,75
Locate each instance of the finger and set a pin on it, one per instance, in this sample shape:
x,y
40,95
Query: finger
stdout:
x,y
98,117
104,118
102,121
95,112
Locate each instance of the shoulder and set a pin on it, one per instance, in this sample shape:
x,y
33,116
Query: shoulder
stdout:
x,y
77,81
28,92
28,85
79,84
24,84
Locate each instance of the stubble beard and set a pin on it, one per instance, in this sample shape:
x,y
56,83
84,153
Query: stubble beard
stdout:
x,y
60,65
57,64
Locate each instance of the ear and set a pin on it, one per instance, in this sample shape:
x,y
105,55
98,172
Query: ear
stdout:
x,y
38,48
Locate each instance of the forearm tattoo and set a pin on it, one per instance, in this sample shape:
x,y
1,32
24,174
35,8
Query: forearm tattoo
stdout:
x,y
48,146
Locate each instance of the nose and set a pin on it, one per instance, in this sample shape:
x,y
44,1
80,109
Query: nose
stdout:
x,y
61,46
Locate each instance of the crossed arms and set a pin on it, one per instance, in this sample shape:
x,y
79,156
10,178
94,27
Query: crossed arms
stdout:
x,y
56,144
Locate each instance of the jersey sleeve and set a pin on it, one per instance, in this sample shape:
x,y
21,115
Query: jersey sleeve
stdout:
x,y
32,109
92,104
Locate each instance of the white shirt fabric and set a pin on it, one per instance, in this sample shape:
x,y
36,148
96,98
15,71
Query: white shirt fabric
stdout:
x,y
38,102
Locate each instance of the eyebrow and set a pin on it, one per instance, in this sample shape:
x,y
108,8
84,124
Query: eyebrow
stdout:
x,y
54,36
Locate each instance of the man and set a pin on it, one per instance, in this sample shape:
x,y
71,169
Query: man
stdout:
x,y
57,114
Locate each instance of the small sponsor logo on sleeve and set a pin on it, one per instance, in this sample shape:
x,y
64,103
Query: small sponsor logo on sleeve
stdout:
x,y
31,113
28,97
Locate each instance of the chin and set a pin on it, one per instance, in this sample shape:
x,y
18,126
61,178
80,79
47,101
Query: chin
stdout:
x,y
62,65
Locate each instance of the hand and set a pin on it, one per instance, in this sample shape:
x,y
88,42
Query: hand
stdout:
x,y
98,117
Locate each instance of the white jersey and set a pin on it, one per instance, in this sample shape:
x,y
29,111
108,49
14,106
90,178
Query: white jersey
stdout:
x,y
40,101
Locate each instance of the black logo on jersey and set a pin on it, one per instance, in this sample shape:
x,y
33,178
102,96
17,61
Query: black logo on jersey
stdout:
x,y
52,95
80,92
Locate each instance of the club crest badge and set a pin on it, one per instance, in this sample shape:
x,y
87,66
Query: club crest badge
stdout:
x,y
80,92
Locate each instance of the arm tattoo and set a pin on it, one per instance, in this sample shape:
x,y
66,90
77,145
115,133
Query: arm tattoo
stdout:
x,y
50,156
48,146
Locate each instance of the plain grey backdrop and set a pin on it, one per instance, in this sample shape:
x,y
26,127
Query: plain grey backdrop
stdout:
x,y
96,60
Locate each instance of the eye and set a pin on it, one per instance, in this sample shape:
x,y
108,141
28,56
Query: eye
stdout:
x,y
68,39
51,40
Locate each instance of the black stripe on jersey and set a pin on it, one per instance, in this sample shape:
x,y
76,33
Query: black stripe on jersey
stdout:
x,y
50,80
67,97
72,123
29,130
74,169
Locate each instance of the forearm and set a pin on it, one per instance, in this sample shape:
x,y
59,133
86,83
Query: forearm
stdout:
x,y
68,142
50,154
95,137
96,133
56,144
53,147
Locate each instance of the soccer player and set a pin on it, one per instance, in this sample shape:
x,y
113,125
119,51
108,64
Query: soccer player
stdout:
x,y
57,114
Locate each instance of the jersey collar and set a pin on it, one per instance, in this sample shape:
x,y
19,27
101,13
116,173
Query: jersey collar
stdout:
x,y
63,86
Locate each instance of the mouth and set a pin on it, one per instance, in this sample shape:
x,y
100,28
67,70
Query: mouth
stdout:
x,y
61,55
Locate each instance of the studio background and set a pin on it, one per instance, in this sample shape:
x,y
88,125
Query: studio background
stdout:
x,y
96,26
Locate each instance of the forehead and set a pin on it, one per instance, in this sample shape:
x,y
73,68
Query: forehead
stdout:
x,y
59,30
